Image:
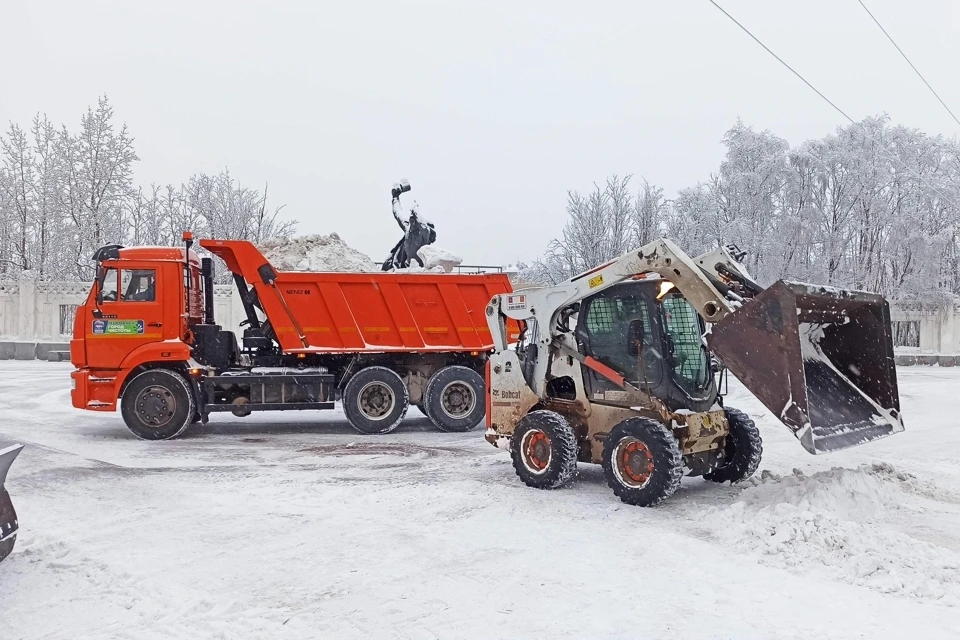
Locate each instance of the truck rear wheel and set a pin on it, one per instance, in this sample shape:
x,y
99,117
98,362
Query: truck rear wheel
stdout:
x,y
741,451
375,400
544,450
157,405
454,399
642,462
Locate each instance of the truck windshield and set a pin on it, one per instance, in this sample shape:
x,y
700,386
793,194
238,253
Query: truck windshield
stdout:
x,y
688,356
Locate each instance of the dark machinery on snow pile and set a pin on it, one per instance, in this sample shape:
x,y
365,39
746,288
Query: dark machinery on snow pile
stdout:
x,y
613,367
8,517
417,233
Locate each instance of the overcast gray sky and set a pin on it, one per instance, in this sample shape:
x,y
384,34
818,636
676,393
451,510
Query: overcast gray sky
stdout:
x,y
491,109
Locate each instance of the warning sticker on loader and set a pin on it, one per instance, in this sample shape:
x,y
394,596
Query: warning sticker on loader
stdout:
x,y
117,327
516,303
595,281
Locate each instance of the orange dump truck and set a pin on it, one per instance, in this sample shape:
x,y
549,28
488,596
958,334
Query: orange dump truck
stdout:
x,y
146,338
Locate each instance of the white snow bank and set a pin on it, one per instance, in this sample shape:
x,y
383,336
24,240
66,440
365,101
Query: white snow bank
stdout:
x,y
843,522
434,256
315,253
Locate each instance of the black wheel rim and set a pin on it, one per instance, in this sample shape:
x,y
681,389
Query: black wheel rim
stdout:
x,y
376,401
458,400
156,406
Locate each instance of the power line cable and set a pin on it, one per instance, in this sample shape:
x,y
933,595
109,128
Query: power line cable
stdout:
x,y
912,66
866,133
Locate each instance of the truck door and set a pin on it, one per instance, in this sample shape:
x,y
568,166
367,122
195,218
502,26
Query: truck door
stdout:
x,y
131,316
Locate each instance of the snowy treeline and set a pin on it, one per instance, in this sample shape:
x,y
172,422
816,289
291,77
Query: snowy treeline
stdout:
x,y
64,194
873,206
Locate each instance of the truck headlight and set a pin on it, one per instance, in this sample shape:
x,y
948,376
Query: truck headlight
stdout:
x,y
73,384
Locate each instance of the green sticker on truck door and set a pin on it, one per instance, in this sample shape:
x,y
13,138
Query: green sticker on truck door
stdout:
x,y
118,327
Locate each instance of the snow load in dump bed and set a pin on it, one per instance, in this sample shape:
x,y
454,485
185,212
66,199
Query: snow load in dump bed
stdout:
x,y
329,312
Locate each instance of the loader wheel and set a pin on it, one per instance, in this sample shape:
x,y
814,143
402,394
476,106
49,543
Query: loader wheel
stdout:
x,y
544,450
454,399
741,452
642,462
375,400
157,405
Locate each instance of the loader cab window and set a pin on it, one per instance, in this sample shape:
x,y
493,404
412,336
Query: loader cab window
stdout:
x,y
606,329
687,354
138,285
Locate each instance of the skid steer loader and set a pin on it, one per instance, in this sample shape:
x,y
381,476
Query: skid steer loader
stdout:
x,y
614,366
8,517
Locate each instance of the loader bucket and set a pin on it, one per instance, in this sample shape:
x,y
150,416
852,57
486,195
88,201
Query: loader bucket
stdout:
x,y
8,517
820,358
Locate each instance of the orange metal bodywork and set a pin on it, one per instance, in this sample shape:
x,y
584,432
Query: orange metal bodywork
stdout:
x,y
315,313
369,312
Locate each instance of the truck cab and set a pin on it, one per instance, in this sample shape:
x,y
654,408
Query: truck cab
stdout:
x,y
139,311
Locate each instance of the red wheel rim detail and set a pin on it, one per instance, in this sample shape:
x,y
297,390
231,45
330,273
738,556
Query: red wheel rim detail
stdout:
x,y
537,450
635,461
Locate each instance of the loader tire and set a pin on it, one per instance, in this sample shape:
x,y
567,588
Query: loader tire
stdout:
x,y
158,405
642,462
454,399
544,450
375,400
742,450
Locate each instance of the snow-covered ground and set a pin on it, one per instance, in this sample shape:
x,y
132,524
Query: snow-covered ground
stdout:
x,y
293,526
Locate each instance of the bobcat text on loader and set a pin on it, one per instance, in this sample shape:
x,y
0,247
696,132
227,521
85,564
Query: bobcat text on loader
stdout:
x,y
146,338
614,367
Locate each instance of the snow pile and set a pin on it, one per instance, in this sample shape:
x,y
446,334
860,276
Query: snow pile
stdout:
x,y
315,253
434,256
843,522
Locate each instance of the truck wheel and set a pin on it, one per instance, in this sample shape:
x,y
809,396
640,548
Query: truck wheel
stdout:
x,y
454,399
375,400
741,451
157,405
642,462
544,450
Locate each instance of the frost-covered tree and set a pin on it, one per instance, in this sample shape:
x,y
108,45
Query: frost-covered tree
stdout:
x,y
63,194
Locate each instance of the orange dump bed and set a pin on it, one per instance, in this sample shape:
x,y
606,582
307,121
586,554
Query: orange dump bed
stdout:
x,y
343,312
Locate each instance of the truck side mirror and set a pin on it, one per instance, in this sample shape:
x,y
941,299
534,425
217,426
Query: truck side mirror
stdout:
x,y
635,335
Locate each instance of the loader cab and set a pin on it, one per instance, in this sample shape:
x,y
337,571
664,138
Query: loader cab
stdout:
x,y
646,331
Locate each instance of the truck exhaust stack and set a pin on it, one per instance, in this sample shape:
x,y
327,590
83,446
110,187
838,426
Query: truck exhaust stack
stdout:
x,y
820,358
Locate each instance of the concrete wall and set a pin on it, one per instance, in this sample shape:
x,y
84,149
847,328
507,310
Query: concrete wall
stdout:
x,y
30,310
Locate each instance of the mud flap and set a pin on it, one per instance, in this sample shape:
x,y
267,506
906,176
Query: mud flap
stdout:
x,y
820,358
8,517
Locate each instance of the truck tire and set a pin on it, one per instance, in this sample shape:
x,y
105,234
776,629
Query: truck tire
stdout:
x,y
741,451
375,400
454,399
157,405
642,462
544,450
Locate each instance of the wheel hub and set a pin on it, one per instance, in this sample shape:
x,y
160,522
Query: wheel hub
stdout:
x,y
634,462
537,450
376,401
458,400
156,406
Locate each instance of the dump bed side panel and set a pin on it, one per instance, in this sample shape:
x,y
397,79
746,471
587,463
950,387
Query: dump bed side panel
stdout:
x,y
389,312
315,312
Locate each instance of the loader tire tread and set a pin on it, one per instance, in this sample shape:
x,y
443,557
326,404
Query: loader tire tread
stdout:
x,y
667,461
563,455
743,450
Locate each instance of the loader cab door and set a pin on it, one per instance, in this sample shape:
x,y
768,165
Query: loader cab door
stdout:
x,y
131,314
609,326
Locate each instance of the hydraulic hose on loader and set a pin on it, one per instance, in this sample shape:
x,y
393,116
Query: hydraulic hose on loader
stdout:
x,y
820,358
8,517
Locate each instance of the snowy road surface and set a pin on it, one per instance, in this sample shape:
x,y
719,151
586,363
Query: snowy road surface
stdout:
x,y
293,526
